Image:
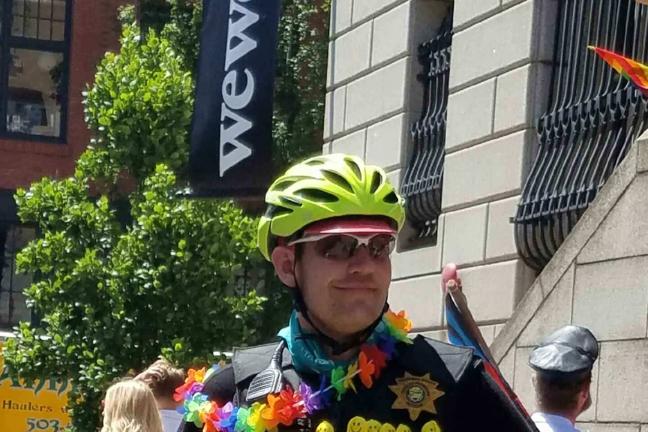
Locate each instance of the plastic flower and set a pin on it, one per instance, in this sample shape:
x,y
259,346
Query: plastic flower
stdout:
x,y
255,420
337,381
242,415
309,398
193,408
375,356
387,345
271,412
228,418
348,379
367,370
398,325
293,407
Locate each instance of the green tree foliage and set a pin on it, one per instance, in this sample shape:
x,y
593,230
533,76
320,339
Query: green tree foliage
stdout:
x,y
301,80
176,277
141,103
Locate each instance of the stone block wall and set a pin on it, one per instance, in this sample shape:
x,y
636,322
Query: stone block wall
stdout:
x,y
597,279
498,88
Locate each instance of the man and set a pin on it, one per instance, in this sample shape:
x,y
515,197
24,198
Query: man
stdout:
x,y
563,363
163,378
345,362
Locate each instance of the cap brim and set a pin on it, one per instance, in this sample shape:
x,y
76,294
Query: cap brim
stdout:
x,y
351,226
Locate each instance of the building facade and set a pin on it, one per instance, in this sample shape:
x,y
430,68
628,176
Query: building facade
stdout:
x,y
501,129
50,50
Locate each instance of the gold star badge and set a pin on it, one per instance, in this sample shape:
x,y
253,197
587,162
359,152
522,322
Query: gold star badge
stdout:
x,y
416,394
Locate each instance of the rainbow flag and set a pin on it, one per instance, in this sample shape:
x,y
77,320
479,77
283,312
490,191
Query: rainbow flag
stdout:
x,y
628,68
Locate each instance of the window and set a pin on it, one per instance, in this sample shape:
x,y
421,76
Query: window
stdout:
x,y
34,68
423,178
593,117
13,307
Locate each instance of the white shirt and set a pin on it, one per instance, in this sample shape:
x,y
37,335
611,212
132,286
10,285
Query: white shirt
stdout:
x,y
170,420
552,423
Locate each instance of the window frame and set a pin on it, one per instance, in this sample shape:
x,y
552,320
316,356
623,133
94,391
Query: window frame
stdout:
x,y
8,42
6,227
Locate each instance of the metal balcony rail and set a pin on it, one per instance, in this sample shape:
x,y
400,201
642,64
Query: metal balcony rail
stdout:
x,y
423,179
594,115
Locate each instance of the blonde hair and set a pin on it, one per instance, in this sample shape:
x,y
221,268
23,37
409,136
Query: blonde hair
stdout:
x,y
162,378
130,407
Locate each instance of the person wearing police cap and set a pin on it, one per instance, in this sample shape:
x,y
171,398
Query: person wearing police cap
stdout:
x,y
563,363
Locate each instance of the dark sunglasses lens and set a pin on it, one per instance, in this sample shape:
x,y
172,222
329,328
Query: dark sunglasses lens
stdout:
x,y
381,246
336,247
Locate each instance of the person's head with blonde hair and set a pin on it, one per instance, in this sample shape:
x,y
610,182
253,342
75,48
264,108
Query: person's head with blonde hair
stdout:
x,y
130,407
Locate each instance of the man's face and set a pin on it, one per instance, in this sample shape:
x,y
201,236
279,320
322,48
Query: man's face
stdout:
x,y
343,296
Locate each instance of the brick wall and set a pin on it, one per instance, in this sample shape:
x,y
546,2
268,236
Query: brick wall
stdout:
x,y
94,30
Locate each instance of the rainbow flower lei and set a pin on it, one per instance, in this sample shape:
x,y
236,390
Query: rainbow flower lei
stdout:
x,y
289,405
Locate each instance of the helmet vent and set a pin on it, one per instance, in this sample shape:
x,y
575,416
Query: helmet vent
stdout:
x,y
337,179
316,195
290,201
376,181
314,162
391,198
283,185
354,167
274,211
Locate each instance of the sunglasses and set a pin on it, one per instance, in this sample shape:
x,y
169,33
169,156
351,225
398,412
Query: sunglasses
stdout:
x,y
344,246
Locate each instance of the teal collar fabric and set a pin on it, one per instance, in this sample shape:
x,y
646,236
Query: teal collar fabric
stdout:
x,y
307,353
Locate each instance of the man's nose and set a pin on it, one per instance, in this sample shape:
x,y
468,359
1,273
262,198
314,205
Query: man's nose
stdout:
x,y
361,261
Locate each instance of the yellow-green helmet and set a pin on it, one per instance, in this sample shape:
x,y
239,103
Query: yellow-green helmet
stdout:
x,y
325,187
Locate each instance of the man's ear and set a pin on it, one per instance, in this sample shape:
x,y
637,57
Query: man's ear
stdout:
x,y
283,260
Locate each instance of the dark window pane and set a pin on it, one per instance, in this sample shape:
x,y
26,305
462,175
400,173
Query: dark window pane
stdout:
x,y
31,28
44,30
45,9
17,26
19,7
58,31
35,92
31,8
59,10
13,307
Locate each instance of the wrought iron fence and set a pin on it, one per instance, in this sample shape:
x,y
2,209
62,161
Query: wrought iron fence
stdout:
x,y
593,117
421,185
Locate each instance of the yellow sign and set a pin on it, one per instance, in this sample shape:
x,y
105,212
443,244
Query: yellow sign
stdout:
x,y
40,407
416,394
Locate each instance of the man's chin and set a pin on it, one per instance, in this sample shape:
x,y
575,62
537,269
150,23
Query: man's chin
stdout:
x,y
353,322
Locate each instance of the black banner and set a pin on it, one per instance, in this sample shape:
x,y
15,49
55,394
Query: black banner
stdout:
x,y
231,135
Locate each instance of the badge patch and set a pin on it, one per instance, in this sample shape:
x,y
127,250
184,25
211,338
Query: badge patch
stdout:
x,y
416,394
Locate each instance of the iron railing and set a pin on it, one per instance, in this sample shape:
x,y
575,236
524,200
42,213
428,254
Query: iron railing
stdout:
x,y
593,117
421,185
